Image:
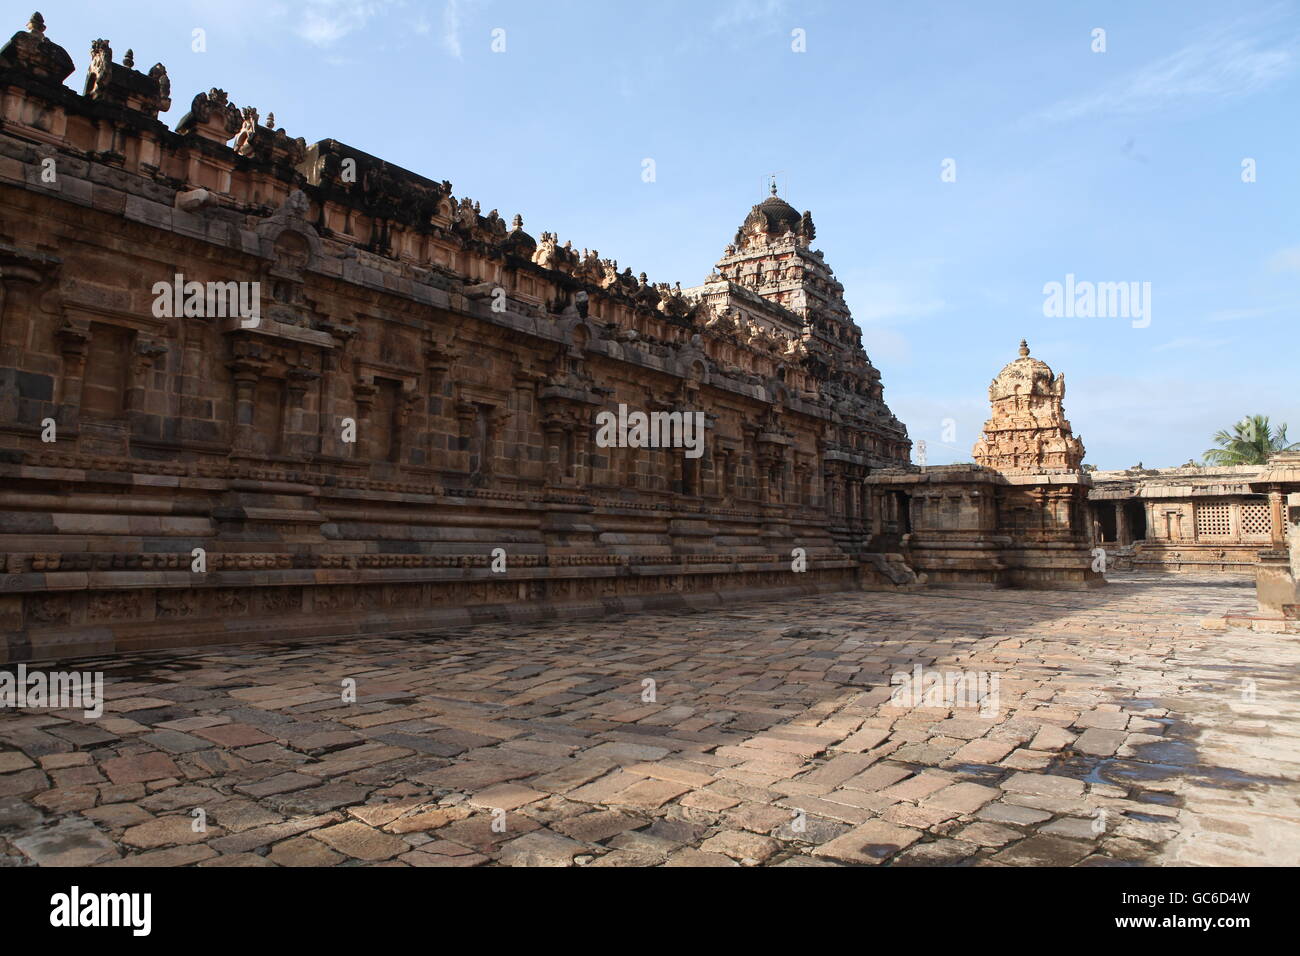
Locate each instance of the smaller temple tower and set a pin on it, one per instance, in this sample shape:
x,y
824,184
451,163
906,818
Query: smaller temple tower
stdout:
x,y
1028,433
1018,517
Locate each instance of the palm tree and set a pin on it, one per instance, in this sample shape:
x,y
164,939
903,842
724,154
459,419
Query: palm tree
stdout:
x,y
1251,441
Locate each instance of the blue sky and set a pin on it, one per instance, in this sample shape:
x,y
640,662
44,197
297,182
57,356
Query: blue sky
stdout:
x,y
1124,165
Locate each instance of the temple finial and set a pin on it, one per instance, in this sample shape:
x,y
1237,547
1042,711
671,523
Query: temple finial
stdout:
x,y
1024,349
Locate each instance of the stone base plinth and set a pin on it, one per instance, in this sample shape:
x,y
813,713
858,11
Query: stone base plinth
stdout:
x,y
93,623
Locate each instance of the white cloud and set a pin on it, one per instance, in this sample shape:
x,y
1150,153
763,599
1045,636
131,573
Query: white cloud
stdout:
x,y
739,13
894,293
1191,342
883,301
1234,315
1164,420
933,418
887,345
1052,352
451,28
1285,260
325,22
1218,68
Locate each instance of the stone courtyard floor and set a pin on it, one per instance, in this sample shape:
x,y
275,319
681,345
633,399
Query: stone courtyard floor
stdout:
x,y
1124,734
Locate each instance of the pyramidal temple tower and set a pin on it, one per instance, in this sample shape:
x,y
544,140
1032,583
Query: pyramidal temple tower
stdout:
x,y
1028,433
772,258
770,281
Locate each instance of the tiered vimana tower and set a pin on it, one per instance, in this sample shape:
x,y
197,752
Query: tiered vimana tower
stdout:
x,y
772,290
1028,433
770,277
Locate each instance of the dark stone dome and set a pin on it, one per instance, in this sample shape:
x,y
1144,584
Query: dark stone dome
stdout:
x,y
776,217
778,213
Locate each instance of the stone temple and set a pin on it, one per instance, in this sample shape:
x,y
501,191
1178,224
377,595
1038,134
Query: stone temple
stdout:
x,y
302,465
400,435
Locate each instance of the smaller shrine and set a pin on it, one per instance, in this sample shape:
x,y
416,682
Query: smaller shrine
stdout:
x,y
1028,433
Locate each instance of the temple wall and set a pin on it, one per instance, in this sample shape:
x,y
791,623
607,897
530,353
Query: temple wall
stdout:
x,y
972,526
1183,519
419,390
255,389
182,433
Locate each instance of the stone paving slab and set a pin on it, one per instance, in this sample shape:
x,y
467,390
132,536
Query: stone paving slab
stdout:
x,y
1119,733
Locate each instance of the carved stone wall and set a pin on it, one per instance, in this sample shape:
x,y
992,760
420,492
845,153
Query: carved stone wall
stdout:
x,y
1191,518
252,388
1277,575
418,389
971,526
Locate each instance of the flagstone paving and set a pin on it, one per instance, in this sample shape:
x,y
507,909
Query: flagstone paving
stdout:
x,y
1122,733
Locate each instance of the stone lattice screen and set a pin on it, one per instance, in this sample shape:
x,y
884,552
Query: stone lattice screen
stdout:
x,y
1213,521
1256,521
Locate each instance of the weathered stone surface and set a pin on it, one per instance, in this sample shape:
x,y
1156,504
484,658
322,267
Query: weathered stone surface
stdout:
x,y
1043,850
756,688
427,820
541,848
304,851
12,760
748,848
504,797
70,842
872,842
1043,784
691,857
1051,738
167,831
598,825
142,769
961,797
361,842
1010,813
1102,743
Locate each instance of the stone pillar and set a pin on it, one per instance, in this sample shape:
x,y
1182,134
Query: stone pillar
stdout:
x,y
72,345
363,394
245,377
1277,519
145,352
299,381
1121,525
553,429
764,483
722,473
496,426
407,400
